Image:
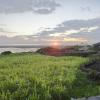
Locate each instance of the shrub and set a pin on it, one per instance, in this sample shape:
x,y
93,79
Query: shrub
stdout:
x,y
6,53
94,75
39,51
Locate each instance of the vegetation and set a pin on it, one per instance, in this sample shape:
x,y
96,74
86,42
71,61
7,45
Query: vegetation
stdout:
x,y
92,68
68,51
6,53
38,77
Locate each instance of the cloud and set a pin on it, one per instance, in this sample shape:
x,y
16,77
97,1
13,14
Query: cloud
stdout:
x,y
5,31
91,29
20,6
4,40
3,25
45,6
73,26
73,31
75,39
28,40
91,36
68,32
86,29
86,9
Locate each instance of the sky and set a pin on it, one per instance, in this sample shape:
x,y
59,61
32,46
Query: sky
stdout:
x,y
48,21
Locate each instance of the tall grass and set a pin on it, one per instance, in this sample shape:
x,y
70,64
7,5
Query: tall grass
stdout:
x,y
38,77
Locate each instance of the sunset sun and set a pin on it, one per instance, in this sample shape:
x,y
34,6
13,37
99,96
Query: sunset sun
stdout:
x,y
55,43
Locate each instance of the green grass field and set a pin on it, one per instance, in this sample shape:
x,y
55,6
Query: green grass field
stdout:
x,y
37,77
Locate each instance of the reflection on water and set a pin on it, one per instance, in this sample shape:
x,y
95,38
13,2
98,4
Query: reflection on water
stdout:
x,y
17,50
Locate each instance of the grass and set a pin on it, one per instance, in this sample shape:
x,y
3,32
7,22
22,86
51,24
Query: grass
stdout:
x,y
37,77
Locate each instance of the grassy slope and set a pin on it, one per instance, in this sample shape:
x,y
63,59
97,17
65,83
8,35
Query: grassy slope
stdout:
x,y
38,77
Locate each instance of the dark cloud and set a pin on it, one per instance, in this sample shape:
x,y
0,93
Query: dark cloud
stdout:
x,y
18,6
45,6
76,28
85,29
71,25
93,36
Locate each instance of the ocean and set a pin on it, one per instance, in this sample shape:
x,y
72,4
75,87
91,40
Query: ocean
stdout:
x,y
18,50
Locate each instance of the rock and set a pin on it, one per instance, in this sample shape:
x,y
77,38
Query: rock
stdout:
x,y
94,98
89,98
79,99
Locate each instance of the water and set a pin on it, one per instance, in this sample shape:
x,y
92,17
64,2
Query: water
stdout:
x,y
18,50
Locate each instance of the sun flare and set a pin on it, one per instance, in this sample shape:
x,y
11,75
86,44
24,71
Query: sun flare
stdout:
x,y
54,43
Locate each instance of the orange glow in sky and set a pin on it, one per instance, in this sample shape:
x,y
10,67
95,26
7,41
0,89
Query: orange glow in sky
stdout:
x,y
54,43
75,40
